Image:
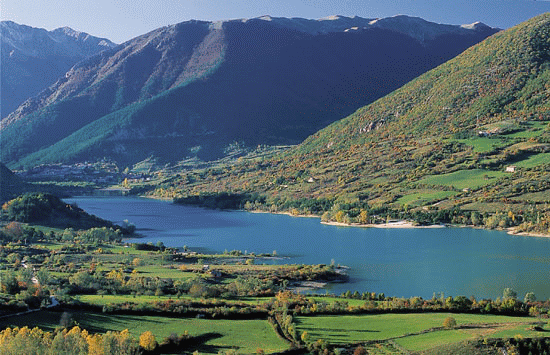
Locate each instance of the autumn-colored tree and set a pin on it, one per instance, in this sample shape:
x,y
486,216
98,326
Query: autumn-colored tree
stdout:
x,y
14,230
137,262
147,341
363,217
359,351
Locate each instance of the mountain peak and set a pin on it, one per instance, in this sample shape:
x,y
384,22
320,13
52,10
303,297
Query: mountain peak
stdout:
x,y
477,26
424,30
335,18
34,58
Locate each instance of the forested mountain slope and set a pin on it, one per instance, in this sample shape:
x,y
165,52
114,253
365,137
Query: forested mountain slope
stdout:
x,y
467,142
194,88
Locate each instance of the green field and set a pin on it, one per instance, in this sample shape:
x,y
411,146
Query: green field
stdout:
x,y
534,160
462,179
435,339
246,336
482,144
422,197
401,327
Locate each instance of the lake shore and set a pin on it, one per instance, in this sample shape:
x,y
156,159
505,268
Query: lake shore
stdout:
x,y
397,224
403,224
285,213
512,231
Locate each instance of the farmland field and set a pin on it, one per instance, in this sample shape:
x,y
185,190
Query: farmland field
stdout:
x,y
246,336
354,329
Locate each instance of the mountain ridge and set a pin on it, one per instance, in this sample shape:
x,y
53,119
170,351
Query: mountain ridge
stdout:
x,y
214,81
33,59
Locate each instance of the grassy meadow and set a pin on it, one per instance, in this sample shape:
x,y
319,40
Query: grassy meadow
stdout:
x,y
244,336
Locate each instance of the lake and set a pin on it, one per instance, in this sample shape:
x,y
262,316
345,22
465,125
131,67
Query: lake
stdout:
x,y
398,262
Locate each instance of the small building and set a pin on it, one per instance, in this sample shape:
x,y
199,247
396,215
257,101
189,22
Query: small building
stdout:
x,y
511,169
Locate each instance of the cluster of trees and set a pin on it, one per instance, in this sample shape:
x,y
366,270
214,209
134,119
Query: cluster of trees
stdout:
x,y
28,293
16,232
48,209
222,200
211,308
376,303
118,282
239,284
77,341
74,341
34,207
20,233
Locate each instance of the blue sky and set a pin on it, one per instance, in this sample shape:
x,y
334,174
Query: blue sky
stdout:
x,y
120,20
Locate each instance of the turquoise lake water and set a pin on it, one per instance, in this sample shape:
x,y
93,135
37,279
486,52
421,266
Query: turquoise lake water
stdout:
x,y
398,262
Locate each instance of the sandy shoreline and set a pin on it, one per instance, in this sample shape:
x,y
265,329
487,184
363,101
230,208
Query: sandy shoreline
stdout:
x,y
398,224
511,231
286,214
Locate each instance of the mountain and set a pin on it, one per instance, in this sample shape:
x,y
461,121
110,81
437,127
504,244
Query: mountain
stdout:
x,y
467,142
10,184
196,88
33,59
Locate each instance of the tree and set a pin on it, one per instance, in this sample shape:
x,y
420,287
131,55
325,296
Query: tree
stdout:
x,y
137,262
8,282
363,217
529,297
43,276
476,218
509,293
449,323
147,341
340,216
359,351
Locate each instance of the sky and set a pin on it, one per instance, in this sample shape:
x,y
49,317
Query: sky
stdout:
x,y
121,20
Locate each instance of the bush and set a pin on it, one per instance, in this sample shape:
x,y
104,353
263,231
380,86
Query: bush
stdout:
x,y
449,323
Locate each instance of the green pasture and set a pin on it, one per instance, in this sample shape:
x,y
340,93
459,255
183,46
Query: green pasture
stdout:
x,y
529,197
534,160
444,337
535,129
462,179
246,336
421,197
164,272
353,329
482,144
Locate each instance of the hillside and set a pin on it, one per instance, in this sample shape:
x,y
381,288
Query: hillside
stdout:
x,y
468,142
196,89
48,210
32,59
10,184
